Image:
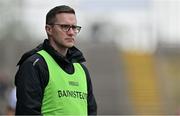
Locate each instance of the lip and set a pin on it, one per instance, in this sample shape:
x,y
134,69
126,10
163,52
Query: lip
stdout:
x,y
70,39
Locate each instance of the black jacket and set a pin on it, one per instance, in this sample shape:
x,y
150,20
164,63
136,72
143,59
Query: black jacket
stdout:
x,y
33,76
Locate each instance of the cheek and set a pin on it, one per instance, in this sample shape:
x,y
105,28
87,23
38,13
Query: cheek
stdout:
x,y
56,34
59,37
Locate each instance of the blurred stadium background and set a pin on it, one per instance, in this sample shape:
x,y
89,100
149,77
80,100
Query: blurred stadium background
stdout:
x,y
132,49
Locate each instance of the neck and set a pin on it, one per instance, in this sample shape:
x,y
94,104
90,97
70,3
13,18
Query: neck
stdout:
x,y
60,49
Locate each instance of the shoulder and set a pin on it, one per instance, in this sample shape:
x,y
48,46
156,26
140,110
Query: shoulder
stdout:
x,y
84,67
33,68
86,72
34,64
29,54
33,60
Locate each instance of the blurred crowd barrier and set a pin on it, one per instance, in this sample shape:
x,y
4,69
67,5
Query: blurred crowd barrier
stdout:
x,y
134,82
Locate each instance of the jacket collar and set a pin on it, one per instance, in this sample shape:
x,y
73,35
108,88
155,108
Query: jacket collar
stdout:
x,y
73,55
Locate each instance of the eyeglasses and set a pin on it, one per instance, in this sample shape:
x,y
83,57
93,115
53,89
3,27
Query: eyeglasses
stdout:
x,y
66,27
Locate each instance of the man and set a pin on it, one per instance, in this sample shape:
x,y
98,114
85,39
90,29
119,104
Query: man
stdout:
x,y
51,78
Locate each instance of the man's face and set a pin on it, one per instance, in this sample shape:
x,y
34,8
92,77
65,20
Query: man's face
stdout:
x,y
59,37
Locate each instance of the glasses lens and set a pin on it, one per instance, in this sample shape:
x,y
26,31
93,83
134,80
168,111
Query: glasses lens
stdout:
x,y
78,28
65,27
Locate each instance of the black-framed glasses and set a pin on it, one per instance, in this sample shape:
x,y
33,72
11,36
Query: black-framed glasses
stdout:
x,y
66,27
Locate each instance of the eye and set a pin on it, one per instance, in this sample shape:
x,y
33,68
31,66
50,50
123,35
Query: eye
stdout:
x,y
65,26
73,27
78,27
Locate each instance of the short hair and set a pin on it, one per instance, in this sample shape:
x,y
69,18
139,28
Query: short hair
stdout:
x,y
51,15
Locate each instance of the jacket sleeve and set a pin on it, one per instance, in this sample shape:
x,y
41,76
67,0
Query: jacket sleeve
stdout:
x,y
30,87
92,106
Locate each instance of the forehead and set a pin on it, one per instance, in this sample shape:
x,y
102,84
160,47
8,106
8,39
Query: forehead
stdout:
x,y
66,18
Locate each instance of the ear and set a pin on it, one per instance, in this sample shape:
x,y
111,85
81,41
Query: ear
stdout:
x,y
48,29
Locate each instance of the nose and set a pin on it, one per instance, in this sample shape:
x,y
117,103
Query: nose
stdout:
x,y
71,31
